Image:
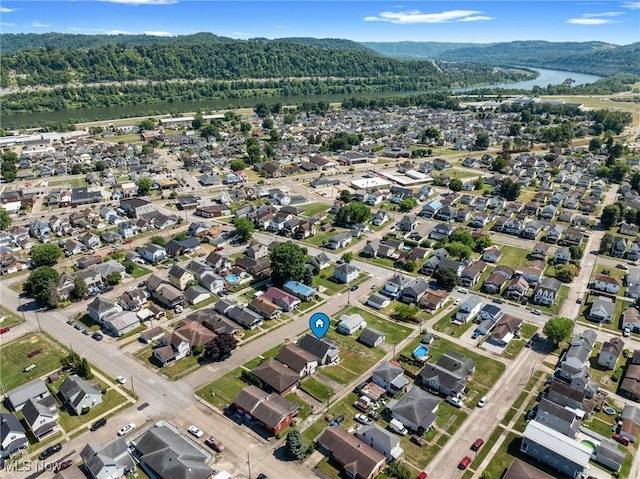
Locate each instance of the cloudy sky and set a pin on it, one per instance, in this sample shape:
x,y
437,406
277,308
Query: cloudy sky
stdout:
x,y
440,21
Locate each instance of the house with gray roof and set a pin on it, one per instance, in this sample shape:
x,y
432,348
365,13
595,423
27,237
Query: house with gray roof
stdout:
x,y
610,352
107,461
390,376
558,418
36,390
469,309
349,324
608,454
40,417
414,290
381,440
602,309
449,375
77,393
326,352
12,436
416,410
297,359
371,337
100,308
167,455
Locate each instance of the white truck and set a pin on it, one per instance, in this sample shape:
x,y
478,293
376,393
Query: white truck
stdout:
x,y
398,427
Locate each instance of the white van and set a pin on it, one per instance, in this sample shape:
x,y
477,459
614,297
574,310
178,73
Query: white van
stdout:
x,y
398,427
31,367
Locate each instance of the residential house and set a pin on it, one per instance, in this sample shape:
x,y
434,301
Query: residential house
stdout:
x,y
172,347
390,376
505,329
40,417
108,461
133,299
558,418
349,324
257,250
632,281
271,411
153,253
408,223
371,337
555,449
121,323
326,352
628,229
264,308
430,209
518,288
286,301
562,255
276,377
358,459
554,233
491,255
180,277
302,291
35,389
547,291
610,353
540,251
168,455
381,440
414,290
630,427
607,284
441,231
340,240
297,359
79,395
602,309
378,301
618,247
346,273
471,274
469,309
320,261
433,300
245,317
533,273
494,283
631,319
449,375
12,436
416,410
100,308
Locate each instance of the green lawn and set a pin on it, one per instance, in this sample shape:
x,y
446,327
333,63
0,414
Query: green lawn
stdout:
x,y
560,299
504,456
13,359
109,400
317,389
9,318
323,280
516,345
220,393
512,256
394,332
139,271
445,325
304,410
488,444
313,208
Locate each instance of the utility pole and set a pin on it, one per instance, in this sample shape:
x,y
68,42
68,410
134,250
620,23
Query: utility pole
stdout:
x,y
249,464
38,320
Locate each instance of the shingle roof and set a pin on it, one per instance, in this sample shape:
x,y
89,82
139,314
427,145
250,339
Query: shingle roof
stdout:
x,y
357,457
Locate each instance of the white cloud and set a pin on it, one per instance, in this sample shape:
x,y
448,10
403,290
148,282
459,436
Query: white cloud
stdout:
x,y
7,24
589,21
6,10
631,5
415,16
116,32
159,34
142,2
38,24
603,14
477,18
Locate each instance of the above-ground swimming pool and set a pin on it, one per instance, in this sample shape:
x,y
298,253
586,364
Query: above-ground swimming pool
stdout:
x,y
420,352
589,444
232,278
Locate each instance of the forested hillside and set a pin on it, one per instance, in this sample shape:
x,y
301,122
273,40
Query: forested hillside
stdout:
x,y
337,43
586,57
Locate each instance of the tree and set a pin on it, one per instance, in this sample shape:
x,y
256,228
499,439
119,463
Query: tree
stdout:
x,y
53,296
558,329
447,277
408,204
353,213
5,219
37,284
482,141
482,243
458,250
84,369
45,254
144,185
80,289
237,165
576,252
566,273
610,216
498,163
605,243
180,236
455,184
510,189
114,278
198,121
220,347
307,278
347,257
287,263
244,228
210,130
404,312
595,145
295,445
267,123
346,196
464,237
147,124
129,266
478,184
410,266
398,470
158,240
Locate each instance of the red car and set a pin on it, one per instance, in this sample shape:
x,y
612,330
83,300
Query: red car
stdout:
x,y
621,439
35,352
466,460
477,444
423,475
4,330
64,465
214,444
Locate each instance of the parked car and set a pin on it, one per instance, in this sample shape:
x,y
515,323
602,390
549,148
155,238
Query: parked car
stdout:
x,y
50,451
477,444
337,420
4,330
626,332
214,444
482,402
622,266
262,475
86,332
362,419
423,475
97,336
121,379
498,301
78,326
621,439
418,440
35,352
536,312
463,291
535,337
457,302
195,431
98,424
579,300
454,401
64,465
354,287
125,429
70,322
464,463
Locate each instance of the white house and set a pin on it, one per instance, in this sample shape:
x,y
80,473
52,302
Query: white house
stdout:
x,y
346,273
349,324
378,301
469,309
381,440
606,284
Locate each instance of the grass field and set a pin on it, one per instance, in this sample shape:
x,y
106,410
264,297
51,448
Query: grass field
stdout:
x,y
220,393
139,271
9,318
317,389
13,359
313,208
109,400
512,256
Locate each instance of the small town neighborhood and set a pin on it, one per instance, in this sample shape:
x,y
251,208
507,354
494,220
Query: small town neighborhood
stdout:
x,y
157,287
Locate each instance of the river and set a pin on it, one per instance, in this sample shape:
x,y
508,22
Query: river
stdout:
x,y
20,120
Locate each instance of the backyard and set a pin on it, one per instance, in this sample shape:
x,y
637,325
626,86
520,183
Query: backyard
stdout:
x,y
394,332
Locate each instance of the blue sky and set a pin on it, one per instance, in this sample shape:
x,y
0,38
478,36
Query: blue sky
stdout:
x,y
441,21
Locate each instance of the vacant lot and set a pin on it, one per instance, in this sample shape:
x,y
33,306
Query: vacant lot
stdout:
x,y
394,332
220,393
14,358
313,208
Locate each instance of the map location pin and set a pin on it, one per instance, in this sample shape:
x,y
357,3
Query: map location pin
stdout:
x,y
319,324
